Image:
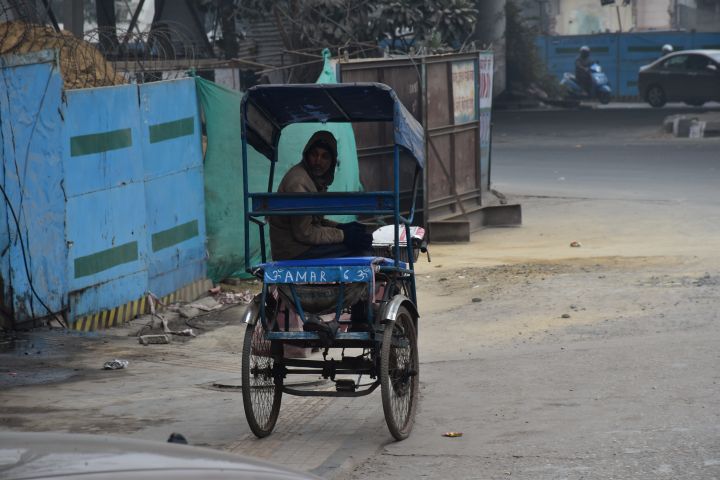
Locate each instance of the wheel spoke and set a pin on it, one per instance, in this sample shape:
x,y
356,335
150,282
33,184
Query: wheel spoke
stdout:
x,y
399,375
261,395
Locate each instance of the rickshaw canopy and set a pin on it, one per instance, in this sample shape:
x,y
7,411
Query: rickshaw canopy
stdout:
x,y
267,109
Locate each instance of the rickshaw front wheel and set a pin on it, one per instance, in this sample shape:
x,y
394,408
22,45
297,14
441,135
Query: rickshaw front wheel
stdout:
x,y
399,374
261,395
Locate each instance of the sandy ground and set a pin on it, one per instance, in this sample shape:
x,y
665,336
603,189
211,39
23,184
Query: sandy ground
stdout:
x,y
615,234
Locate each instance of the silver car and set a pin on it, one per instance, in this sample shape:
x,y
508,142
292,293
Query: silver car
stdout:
x,y
94,457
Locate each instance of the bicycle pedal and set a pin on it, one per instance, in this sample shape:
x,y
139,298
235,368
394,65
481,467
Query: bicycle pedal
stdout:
x,y
345,385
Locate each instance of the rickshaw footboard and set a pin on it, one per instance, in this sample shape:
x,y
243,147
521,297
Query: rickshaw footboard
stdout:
x,y
331,393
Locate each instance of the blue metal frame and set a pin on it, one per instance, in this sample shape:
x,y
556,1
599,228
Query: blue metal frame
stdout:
x,y
259,205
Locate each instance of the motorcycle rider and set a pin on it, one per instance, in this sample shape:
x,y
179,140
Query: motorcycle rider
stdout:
x,y
582,69
313,236
667,48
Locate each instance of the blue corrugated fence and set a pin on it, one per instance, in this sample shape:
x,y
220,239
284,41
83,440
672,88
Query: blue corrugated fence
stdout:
x,y
620,54
108,187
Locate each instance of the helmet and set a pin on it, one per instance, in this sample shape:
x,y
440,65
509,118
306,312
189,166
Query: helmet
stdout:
x,y
667,48
584,51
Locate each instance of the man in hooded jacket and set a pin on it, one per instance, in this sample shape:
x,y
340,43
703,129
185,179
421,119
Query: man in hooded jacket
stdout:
x,y
312,236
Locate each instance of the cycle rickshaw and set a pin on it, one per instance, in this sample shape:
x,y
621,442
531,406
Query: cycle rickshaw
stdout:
x,y
296,289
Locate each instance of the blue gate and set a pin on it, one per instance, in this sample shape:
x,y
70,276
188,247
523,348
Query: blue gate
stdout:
x,y
620,54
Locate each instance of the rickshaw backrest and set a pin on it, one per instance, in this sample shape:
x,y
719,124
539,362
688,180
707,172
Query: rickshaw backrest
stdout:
x,y
370,203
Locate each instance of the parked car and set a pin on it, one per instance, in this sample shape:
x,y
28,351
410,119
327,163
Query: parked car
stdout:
x,y
690,76
93,457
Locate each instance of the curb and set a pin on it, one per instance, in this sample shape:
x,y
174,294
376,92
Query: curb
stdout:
x,y
123,313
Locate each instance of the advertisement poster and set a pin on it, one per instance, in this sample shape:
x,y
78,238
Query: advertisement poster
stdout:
x,y
485,88
463,87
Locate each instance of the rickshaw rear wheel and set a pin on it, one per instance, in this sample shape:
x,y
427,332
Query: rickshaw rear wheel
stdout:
x,y
261,394
399,374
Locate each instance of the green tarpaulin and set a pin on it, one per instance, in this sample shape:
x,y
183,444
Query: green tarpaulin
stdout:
x,y
223,172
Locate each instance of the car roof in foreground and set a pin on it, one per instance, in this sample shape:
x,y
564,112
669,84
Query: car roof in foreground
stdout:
x,y
55,455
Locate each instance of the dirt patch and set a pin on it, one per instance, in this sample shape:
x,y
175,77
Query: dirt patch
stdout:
x,y
705,280
441,289
117,424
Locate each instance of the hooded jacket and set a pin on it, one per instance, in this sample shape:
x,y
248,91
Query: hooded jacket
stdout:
x,y
291,236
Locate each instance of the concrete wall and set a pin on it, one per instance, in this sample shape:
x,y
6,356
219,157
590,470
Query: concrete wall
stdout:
x,y
701,16
490,33
654,15
583,17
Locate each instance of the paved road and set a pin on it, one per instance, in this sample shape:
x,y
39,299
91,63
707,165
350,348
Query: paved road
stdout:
x,y
614,153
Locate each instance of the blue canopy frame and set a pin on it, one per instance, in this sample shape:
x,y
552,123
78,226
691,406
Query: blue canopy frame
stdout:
x,y
266,109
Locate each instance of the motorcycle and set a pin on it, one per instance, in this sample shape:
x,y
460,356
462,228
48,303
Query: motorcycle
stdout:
x,y
600,85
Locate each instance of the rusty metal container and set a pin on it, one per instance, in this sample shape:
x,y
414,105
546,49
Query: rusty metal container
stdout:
x,y
451,96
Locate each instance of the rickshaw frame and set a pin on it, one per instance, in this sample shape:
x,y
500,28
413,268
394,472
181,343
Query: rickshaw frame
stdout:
x,y
265,111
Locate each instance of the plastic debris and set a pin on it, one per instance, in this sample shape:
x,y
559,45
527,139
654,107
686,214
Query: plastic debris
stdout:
x,y
188,332
116,364
204,307
177,438
152,300
575,244
188,312
153,339
230,298
452,434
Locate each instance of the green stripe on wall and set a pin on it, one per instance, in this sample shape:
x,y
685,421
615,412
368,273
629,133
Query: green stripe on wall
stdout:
x,y
577,50
100,261
174,129
100,142
173,236
711,47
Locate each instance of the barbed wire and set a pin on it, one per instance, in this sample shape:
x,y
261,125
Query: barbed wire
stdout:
x,y
104,56
164,52
168,50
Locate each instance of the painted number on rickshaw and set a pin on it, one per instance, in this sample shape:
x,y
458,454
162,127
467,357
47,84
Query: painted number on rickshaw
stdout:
x,y
318,275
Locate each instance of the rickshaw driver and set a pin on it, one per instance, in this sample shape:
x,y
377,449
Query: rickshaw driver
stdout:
x,y
313,236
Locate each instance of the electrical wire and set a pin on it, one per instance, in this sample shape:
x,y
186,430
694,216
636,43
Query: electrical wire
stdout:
x,y
14,215
24,255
